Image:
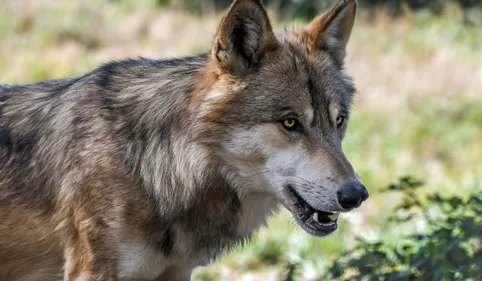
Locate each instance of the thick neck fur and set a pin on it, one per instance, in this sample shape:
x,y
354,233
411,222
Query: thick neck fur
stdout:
x,y
152,100
171,152
172,155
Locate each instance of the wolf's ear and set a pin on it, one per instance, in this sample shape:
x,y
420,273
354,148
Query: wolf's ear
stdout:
x,y
330,32
244,37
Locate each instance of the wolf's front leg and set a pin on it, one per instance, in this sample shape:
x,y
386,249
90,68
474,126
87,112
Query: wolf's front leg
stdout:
x,y
90,251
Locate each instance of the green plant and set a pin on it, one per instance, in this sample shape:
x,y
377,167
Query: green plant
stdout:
x,y
449,247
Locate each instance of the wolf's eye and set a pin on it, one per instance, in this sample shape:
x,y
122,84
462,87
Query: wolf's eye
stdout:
x,y
339,121
291,124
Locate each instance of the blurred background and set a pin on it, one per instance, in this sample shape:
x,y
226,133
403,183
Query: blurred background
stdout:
x,y
415,137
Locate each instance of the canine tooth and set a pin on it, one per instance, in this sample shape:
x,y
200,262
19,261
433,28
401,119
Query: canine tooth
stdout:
x,y
315,217
333,217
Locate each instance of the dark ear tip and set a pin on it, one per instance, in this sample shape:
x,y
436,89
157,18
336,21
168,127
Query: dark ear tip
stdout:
x,y
343,4
348,2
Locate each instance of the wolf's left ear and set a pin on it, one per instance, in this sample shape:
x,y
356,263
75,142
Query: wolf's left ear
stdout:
x,y
330,32
244,37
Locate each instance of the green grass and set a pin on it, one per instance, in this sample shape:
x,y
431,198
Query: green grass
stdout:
x,y
417,111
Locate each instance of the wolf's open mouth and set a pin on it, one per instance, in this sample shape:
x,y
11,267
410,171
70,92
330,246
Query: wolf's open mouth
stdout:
x,y
313,221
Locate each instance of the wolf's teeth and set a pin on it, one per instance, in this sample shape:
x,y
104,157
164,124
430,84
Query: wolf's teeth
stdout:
x,y
315,217
333,217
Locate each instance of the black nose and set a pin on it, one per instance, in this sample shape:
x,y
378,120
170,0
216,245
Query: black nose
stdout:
x,y
352,194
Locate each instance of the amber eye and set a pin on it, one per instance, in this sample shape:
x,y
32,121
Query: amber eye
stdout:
x,y
291,124
339,121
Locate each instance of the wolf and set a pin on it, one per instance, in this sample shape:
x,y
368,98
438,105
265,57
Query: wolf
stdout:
x,y
145,169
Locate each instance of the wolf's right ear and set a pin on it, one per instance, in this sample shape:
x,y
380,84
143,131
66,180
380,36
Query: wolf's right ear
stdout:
x,y
244,37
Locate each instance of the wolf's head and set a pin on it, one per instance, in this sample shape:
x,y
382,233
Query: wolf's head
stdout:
x,y
278,107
